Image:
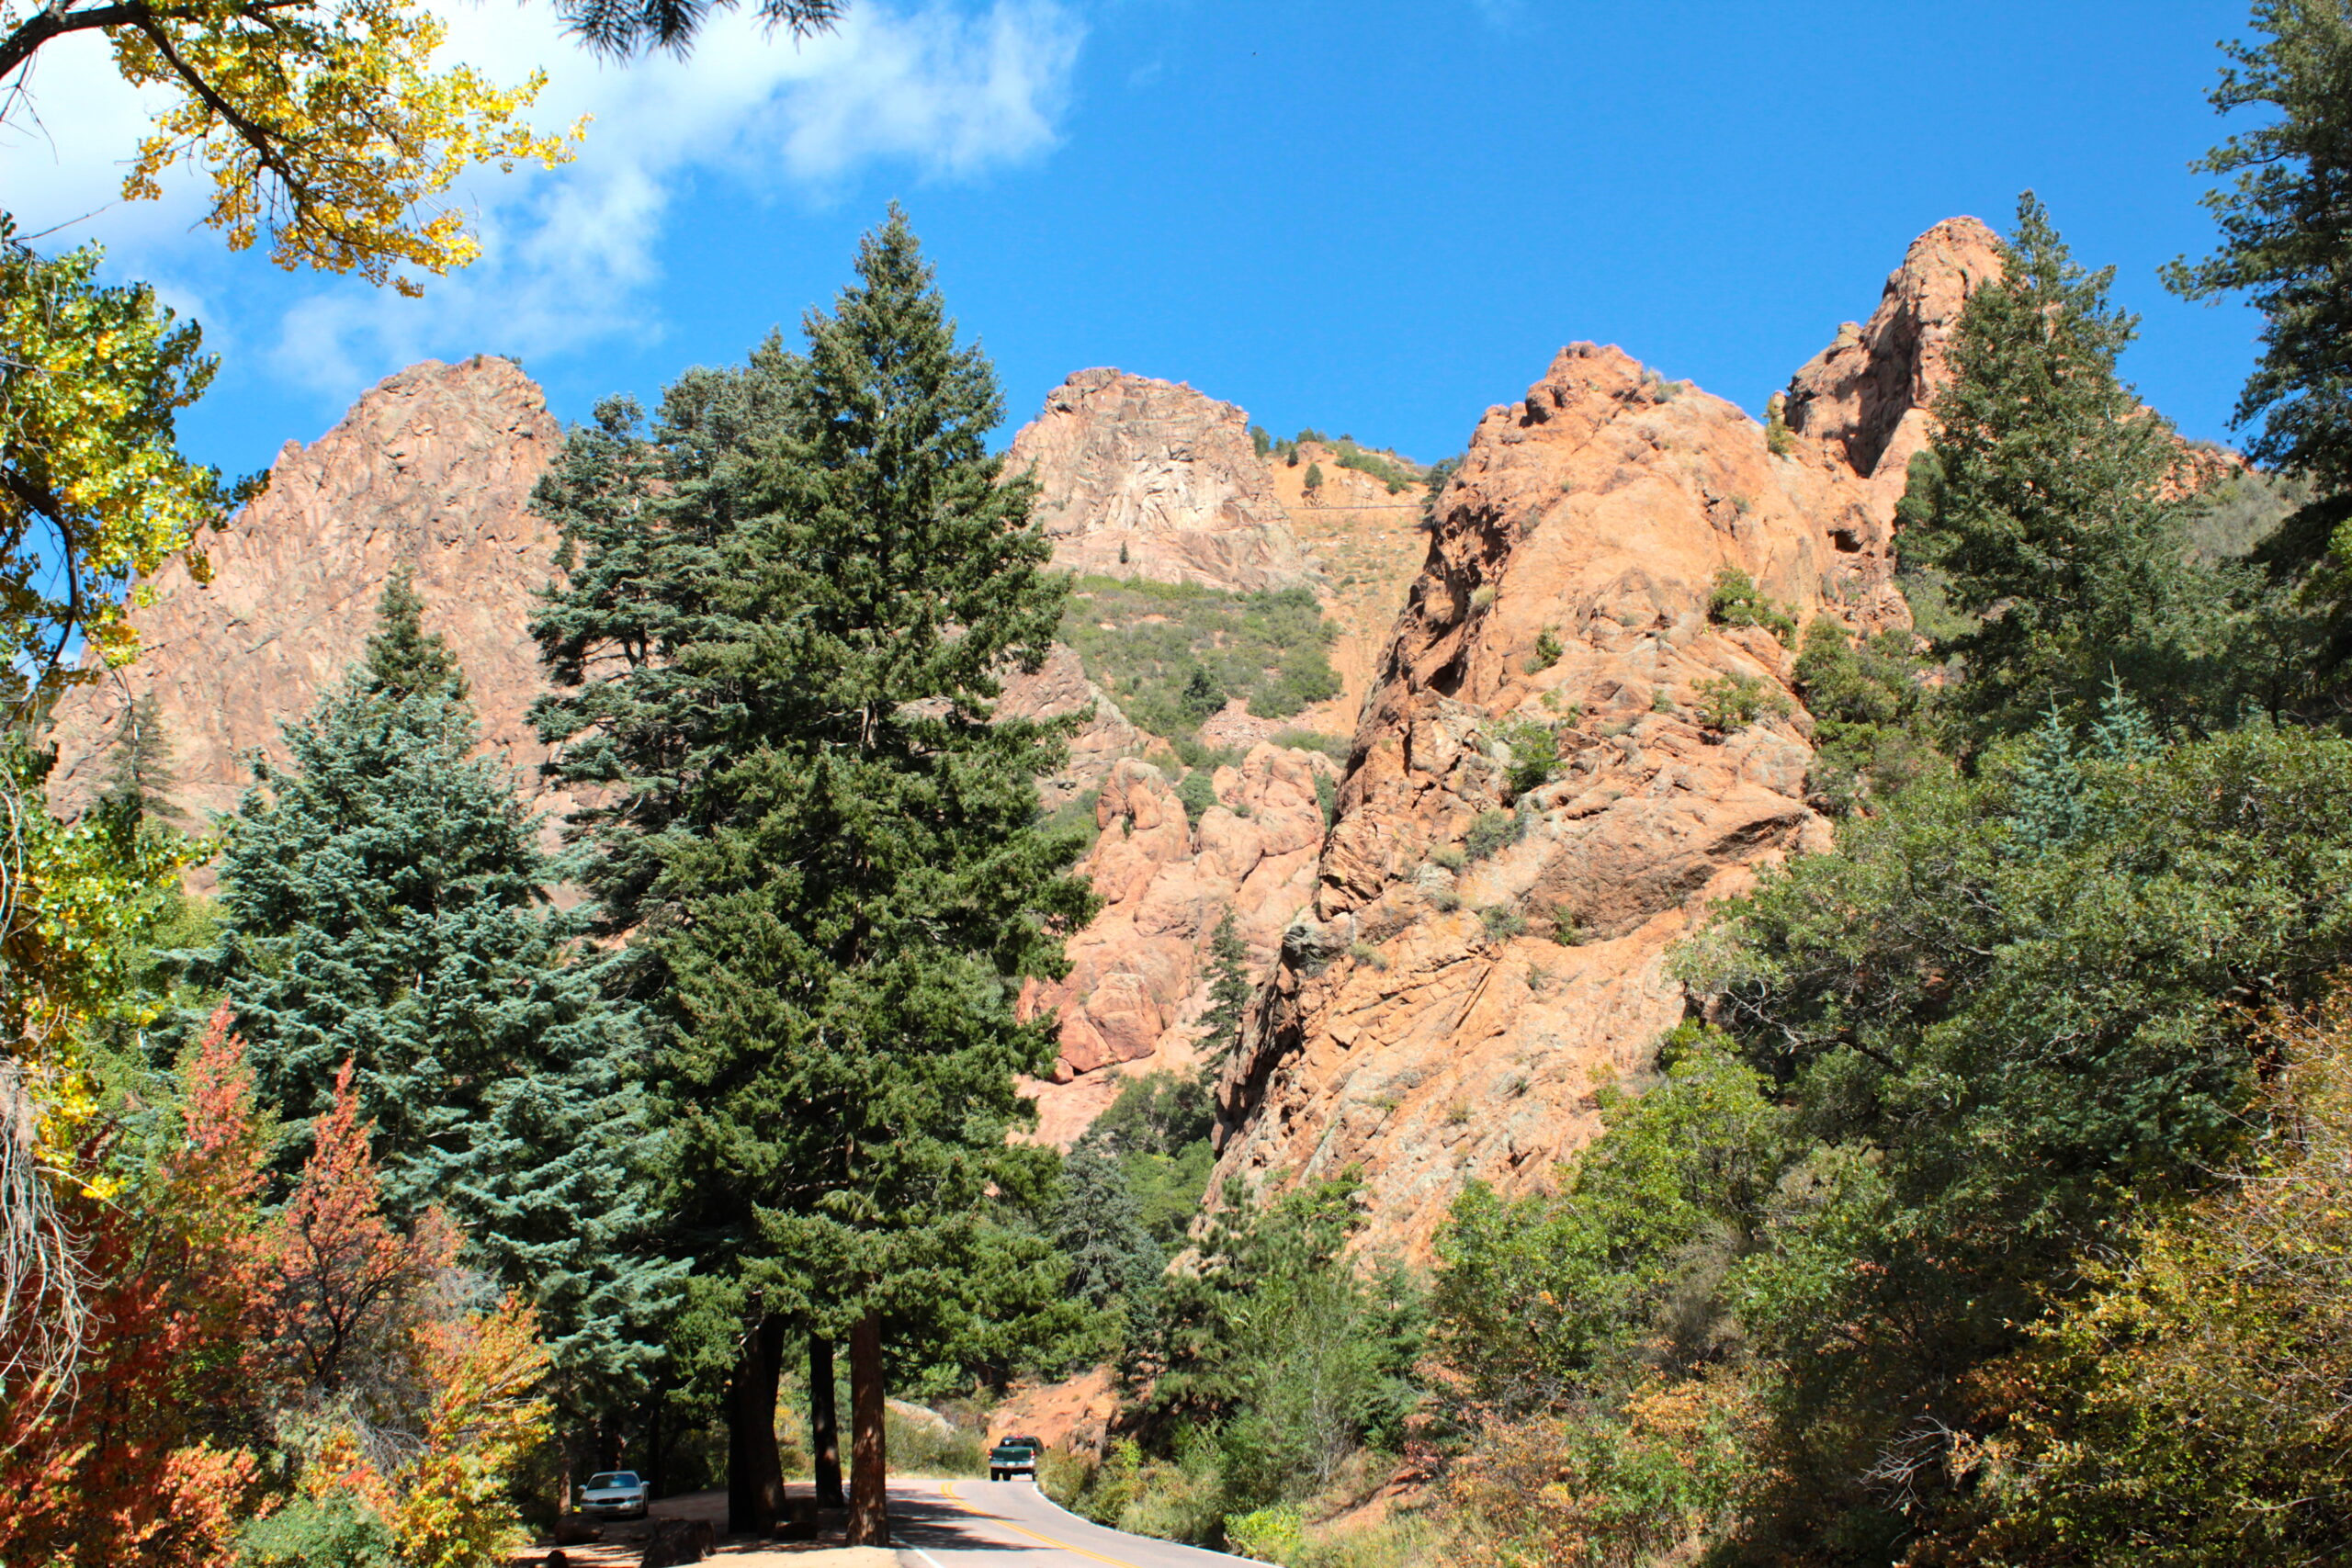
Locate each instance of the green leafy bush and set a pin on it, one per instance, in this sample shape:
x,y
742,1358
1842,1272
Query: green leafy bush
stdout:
x,y
1735,602
1867,705
1502,923
1173,654
319,1533
1267,1535
1197,792
1534,754
1548,649
1730,703
1396,475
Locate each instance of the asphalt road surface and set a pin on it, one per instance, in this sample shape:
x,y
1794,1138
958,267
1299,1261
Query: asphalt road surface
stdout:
x,y
989,1524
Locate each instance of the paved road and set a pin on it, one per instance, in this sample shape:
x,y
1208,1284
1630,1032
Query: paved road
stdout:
x,y
987,1524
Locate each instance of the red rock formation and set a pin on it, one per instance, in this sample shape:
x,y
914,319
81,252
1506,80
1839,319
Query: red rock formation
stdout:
x,y
1436,1019
433,469
1138,977
1139,478
1863,400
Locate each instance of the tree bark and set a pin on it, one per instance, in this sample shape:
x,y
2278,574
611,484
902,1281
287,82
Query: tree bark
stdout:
x,y
824,1425
869,1457
754,1470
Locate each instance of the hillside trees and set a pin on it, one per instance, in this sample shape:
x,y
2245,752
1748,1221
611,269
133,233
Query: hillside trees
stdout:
x,y
384,914
806,583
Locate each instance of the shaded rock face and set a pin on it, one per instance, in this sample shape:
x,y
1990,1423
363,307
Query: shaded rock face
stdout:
x,y
1436,1018
432,469
1139,973
1141,477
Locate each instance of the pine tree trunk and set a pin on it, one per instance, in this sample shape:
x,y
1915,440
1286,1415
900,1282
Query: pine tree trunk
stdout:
x,y
869,1459
824,1425
754,1470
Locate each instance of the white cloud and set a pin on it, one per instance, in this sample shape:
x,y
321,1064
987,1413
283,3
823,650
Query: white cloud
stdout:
x,y
570,256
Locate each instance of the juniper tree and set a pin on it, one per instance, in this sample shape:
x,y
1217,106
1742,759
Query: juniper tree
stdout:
x,y
384,902
788,608
2041,498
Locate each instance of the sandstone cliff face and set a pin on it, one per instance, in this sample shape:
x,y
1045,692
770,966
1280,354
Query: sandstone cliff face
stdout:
x,y
1141,477
1139,979
432,469
1436,1018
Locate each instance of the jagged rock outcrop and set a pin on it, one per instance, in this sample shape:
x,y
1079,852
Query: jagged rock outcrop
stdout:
x,y
1058,689
1139,973
1436,1018
432,469
1863,400
1142,478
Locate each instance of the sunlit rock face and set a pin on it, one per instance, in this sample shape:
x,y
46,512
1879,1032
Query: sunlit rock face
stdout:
x,y
1141,477
1440,1015
431,470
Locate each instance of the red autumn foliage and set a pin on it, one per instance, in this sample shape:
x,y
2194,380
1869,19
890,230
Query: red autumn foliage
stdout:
x,y
346,1282
138,1464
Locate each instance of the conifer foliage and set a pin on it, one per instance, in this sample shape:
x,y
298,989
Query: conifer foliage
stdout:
x,y
2042,499
834,856
386,938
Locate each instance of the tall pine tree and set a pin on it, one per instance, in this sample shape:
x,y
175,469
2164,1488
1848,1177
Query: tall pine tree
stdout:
x,y
2285,217
384,902
2041,498
786,621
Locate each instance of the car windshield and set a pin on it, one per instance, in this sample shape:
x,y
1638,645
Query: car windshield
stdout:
x,y
613,1478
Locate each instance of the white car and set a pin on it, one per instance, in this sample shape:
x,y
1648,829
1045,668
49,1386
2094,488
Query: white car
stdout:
x,y
614,1495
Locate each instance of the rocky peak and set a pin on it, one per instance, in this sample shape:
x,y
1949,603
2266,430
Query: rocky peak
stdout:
x,y
1480,957
433,469
1143,478
1863,400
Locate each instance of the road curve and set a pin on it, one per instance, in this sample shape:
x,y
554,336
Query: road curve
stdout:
x,y
985,1524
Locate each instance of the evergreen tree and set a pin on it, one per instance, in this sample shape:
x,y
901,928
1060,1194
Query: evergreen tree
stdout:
x,y
2287,243
404,658
1228,988
139,778
384,904
834,859
2041,501
1099,1227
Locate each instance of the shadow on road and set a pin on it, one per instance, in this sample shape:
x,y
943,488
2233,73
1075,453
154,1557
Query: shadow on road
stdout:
x,y
937,1523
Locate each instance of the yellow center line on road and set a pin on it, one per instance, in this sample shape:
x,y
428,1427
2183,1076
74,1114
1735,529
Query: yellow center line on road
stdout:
x,y
947,1490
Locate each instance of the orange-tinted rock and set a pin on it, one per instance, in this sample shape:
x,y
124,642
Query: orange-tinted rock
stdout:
x,y
1436,1019
1058,689
1863,400
1073,1416
1141,477
432,469
1138,977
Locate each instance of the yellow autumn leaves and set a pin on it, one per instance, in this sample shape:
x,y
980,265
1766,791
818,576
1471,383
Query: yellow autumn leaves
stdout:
x,y
324,127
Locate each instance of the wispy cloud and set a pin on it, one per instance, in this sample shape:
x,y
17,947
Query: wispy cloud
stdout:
x,y
572,255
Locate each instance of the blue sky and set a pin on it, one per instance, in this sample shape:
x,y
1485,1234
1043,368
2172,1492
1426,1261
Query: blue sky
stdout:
x,y
1376,217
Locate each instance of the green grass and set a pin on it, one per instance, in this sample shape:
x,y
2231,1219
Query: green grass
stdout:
x,y
1173,654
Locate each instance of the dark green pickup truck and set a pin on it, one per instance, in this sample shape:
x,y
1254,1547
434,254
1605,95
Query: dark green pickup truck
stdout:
x,y
1015,1456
